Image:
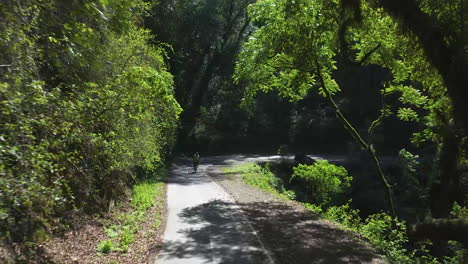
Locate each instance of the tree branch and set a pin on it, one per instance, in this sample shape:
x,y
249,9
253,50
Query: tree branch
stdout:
x,y
365,146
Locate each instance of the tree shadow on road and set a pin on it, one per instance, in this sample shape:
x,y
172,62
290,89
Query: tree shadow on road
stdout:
x,y
221,234
218,234
182,173
298,236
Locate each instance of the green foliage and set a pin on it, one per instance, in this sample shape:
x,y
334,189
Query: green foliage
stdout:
x,y
105,246
288,194
143,195
257,176
409,162
410,185
262,178
204,37
384,233
344,215
407,114
459,211
314,208
295,41
420,85
388,235
326,180
127,238
122,232
298,43
460,252
84,99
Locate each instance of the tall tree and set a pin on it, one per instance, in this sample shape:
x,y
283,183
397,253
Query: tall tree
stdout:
x,y
205,37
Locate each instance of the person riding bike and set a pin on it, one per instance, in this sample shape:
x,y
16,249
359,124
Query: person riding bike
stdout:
x,y
195,161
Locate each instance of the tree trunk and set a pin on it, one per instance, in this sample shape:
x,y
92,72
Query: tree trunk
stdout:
x,y
445,190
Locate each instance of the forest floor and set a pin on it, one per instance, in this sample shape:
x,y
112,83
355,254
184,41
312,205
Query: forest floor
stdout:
x,y
292,233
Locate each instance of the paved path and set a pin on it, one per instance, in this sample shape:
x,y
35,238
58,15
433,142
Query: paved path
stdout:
x,y
200,231
205,225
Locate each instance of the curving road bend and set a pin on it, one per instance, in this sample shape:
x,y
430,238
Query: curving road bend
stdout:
x,y
200,231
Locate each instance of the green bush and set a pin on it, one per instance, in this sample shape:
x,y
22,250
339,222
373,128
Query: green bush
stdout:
x,y
388,235
459,211
326,180
384,233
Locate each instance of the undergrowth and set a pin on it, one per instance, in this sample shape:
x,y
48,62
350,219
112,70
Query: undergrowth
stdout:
x,y
384,233
121,231
261,178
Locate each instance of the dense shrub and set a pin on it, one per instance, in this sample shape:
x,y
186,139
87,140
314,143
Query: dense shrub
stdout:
x,y
325,179
388,235
84,99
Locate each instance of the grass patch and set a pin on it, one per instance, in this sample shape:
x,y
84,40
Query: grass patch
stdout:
x,y
121,231
262,178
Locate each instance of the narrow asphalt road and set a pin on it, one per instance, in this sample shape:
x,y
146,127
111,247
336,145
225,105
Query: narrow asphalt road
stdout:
x,y
200,231
205,225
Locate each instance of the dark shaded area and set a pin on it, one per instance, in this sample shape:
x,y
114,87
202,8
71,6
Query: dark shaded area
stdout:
x,y
284,226
182,170
442,229
308,125
206,37
291,235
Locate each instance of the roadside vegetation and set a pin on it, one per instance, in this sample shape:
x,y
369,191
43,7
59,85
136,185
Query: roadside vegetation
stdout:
x,y
326,182
261,177
121,229
87,104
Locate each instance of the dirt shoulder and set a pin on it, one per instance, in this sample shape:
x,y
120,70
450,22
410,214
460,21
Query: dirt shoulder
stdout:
x,y
289,231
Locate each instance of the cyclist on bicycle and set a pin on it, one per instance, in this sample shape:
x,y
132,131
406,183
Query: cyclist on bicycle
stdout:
x,y
195,161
